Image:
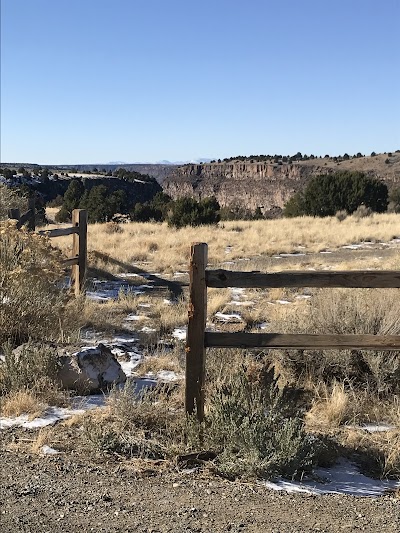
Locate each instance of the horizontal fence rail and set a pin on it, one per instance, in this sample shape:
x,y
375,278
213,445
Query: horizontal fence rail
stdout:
x,y
301,341
79,245
198,339
59,232
362,279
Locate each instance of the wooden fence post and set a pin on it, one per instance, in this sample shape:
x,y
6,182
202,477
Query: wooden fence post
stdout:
x,y
32,218
195,350
79,248
14,214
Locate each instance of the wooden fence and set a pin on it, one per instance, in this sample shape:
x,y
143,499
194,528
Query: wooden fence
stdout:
x,y
78,230
198,339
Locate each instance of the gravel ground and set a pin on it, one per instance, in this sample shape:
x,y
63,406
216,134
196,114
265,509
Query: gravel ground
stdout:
x,y
40,494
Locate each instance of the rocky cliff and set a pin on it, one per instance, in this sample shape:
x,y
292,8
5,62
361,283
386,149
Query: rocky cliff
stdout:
x,y
265,184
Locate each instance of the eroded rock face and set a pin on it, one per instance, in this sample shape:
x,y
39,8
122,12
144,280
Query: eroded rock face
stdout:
x,y
91,369
243,184
266,185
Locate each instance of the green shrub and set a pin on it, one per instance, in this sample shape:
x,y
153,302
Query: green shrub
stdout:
x,y
246,431
101,205
248,428
324,195
188,212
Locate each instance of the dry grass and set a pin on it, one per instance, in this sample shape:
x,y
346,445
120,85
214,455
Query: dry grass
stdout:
x,y
43,438
21,402
379,452
156,363
168,249
328,389
9,199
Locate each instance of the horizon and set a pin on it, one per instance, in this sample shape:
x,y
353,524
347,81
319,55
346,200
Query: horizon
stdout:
x,y
132,81
205,160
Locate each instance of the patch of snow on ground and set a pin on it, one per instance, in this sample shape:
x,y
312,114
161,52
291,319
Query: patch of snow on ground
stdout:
x,y
376,428
124,339
48,450
50,417
92,401
343,478
168,375
352,246
180,333
237,291
110,290
129,366
133,317
146,329
246,303
224,317
283,302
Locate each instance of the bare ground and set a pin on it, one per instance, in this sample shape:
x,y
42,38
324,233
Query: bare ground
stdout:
x,y
70,492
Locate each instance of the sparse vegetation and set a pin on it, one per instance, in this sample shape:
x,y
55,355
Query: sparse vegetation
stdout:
x,y
33,304
267,413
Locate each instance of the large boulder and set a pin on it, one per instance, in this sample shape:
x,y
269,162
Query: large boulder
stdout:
x,y
91,369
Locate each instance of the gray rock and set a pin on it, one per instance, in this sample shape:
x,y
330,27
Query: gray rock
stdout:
x,y
91,369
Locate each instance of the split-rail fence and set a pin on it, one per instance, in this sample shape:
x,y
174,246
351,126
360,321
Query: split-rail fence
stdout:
x,y
198,339
78,230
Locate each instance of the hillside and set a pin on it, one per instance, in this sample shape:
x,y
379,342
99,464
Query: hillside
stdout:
x,y
267,184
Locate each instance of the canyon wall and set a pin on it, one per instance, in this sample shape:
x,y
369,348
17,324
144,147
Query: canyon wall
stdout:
x,y
263,184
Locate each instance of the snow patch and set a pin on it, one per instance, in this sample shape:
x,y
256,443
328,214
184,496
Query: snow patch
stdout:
x,y
180,333
246,303
48,450
50,417
343,478
225,317
134,317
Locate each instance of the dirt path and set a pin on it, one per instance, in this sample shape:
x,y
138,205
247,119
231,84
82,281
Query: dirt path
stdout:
x,y
67,493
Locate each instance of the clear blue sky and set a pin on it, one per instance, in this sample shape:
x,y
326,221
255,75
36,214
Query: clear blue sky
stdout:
x,y
93,81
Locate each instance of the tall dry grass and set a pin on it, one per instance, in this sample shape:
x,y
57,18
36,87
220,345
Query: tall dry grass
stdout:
x,y
167,249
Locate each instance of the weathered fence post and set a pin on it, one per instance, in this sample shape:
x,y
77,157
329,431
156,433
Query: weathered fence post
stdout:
x,y
79,248
32,218
14,214
195,350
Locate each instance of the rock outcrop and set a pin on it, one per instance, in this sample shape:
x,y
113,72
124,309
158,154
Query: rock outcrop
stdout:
x,y
265,184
